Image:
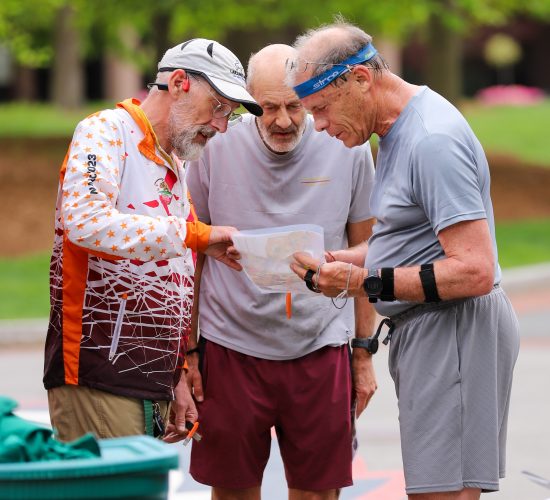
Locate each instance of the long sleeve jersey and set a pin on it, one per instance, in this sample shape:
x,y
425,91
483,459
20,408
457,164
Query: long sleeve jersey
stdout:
x,y
121,275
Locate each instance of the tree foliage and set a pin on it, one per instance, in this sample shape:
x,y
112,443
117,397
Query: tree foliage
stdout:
x,y
26,26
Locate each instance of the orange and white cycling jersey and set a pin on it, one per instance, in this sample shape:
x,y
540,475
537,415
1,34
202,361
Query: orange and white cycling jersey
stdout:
x,y
121,276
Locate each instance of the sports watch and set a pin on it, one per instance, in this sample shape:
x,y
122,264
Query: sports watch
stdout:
x,y
370,344
372,285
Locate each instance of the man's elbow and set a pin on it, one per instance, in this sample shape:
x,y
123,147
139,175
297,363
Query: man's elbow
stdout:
x,y
483,278
79,234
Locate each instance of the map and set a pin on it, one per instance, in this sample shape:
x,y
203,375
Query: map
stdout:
x,y
267,254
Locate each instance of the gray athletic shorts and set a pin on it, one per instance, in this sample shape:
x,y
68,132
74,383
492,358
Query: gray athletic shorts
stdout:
x,y
452,365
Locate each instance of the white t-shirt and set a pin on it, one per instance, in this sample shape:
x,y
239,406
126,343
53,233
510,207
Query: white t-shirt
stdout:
x,y
239,182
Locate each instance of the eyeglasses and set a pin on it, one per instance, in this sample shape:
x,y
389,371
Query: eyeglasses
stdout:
x,y
294,65
221,109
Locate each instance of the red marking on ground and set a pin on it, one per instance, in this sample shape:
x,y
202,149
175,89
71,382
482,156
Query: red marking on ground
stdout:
x,y
33,404
393,487
531,302
535,343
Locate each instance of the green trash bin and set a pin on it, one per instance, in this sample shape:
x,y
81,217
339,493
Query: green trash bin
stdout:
x,y
134,467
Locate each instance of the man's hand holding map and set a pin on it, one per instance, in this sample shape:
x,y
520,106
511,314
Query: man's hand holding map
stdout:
x,y
266,255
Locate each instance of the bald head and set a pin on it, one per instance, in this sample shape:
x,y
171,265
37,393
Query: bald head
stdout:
x,y
268,66
282,125
315,45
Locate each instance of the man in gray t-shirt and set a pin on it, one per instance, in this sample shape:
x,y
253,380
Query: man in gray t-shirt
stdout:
x,y
431,265
261,369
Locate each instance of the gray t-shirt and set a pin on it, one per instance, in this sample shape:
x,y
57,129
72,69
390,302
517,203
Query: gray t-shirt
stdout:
x,y
431,173
239,182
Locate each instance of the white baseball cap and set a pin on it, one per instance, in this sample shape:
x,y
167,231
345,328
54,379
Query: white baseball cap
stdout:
x,y
215,63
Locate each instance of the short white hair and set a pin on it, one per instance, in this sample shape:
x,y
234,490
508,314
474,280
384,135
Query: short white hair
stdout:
x,y
331,44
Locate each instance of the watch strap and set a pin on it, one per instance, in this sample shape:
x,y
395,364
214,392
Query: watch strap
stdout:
x,y
387,294
370,344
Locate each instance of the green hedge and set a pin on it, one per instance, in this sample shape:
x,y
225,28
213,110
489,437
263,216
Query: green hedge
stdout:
x,y
516,130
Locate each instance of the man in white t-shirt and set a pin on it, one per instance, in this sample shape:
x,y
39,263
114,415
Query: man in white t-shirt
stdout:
x,y
258,368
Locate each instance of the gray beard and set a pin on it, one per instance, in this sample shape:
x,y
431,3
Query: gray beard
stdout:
x,y
280,147
185,149
183,144
181,137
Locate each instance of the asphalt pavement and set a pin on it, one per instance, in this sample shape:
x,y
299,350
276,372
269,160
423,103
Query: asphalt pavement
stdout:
x,y
378,473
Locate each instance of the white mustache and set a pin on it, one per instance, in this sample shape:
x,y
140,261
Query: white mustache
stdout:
x,y
207,132
277,130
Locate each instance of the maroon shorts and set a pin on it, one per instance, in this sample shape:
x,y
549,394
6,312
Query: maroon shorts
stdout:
x,y
307,400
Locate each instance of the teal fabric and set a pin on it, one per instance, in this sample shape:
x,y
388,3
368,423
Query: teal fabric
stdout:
x,y
148,413
25,441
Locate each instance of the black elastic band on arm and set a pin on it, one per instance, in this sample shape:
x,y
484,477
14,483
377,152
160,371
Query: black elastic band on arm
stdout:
x,y
192,351
387,294
427,278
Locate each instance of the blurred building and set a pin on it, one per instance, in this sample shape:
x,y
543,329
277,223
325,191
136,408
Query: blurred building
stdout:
x,y
532,69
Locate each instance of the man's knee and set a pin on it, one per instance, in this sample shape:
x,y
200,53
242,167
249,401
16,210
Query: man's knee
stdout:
x,y
464,494
236,494
331,494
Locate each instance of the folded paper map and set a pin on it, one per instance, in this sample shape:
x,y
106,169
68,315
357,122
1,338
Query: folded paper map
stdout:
x,y
267,254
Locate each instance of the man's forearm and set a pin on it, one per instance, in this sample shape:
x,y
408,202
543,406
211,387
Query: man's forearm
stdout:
x,y
358,234
365,316
466,270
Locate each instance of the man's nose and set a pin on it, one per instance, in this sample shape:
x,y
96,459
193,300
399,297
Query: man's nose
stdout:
x,y
320,123
283,120
220,124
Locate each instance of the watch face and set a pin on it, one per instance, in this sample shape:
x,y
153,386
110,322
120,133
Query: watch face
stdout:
x,y
373,285
373,345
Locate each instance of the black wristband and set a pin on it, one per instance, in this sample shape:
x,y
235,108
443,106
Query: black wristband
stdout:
x,y
427,278
387,294
192,351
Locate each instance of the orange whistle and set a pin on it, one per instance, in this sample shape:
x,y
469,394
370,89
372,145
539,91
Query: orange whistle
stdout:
x,y
288,305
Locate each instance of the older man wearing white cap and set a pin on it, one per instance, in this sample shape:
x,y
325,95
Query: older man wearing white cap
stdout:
x,y
122,268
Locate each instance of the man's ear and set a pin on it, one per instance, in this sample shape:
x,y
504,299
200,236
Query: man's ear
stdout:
x,y
363,76
179,81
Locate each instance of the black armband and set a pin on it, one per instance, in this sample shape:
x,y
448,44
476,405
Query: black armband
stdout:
x,y
192,351
427,278
387,294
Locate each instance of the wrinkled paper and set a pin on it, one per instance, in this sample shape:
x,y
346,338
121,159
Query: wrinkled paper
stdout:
x,y
266,255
